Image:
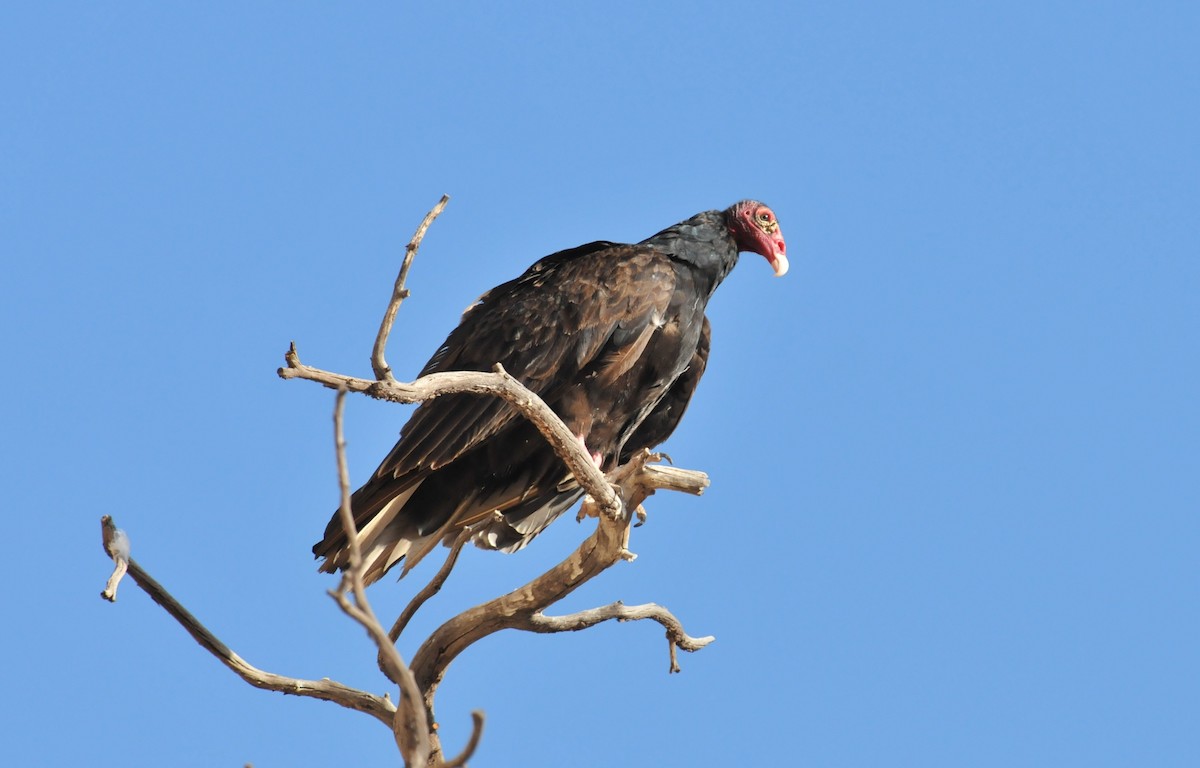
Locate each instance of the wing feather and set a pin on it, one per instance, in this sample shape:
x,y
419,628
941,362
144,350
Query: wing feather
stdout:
x,y
665,417
588,311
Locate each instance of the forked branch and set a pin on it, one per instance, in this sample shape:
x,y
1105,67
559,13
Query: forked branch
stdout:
x,y
521,608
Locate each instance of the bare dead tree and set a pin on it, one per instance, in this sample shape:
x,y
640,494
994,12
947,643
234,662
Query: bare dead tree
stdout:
x,y
611,499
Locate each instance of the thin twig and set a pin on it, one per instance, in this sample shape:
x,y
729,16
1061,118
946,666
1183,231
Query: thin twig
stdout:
x,y
383,372
472,744
432,588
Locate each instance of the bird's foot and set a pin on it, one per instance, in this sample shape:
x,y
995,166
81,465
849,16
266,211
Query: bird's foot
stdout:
x,y
589,508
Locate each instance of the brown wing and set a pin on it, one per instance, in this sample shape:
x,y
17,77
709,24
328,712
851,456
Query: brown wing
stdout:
x,y
569,326
579,313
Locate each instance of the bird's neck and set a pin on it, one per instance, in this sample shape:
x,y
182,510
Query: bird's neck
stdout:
x,y
703,243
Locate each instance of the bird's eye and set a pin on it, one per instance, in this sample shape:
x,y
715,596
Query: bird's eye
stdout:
x,y
764,216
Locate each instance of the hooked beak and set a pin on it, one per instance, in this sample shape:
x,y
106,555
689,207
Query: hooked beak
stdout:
x,y
779,263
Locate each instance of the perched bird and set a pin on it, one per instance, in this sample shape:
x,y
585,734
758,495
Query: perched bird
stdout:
x,y
613,337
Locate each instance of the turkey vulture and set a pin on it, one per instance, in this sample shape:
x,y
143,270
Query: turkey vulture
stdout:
x,y
612,336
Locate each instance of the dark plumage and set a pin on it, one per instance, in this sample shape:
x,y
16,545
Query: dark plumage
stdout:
x,y
613,337
661,422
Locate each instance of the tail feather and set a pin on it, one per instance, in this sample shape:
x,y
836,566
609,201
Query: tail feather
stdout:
x,y
407,526
384,526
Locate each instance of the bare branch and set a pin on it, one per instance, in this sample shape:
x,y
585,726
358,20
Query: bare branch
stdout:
x,y
383,371
515,610
411,726
326,690
676,636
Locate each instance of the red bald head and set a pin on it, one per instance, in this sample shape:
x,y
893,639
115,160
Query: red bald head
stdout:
x,y
755,229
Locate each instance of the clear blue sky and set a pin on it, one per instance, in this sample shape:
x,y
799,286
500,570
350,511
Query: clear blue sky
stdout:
x,y
955,454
